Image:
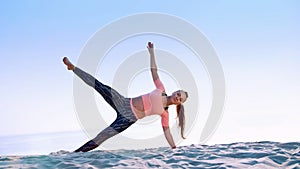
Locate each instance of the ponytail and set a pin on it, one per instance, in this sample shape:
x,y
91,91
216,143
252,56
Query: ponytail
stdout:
x,y
181,118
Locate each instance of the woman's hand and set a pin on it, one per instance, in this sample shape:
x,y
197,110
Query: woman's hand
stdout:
x,y
150,48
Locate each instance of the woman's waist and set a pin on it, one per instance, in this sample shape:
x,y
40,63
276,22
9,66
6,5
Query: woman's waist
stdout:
x,y
138,107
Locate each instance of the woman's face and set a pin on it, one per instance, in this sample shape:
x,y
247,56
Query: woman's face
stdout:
x,y
178,97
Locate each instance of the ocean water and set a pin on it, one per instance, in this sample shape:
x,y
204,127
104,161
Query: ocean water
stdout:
x,y
236,155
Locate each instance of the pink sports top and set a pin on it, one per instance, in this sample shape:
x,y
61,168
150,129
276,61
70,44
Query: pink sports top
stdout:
x,y
153,103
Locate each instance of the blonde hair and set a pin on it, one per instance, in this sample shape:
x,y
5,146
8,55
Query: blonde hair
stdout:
x,y
181,118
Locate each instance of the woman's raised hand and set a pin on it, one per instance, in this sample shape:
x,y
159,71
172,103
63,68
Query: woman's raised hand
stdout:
x,y
150,48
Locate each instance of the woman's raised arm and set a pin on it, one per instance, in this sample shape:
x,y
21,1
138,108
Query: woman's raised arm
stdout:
x,y
152,61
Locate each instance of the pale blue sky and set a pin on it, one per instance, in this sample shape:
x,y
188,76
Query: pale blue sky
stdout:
x,y
257,44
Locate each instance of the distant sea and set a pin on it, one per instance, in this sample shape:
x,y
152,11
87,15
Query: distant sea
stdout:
x,y
28,152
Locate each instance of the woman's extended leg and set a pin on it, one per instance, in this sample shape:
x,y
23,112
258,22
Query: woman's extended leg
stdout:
x,y
124,119
119,125
111,96
125,116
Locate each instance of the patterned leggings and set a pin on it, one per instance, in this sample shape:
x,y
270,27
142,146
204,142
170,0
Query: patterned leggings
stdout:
x,y
119,103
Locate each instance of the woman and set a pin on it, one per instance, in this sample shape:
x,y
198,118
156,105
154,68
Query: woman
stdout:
x,y
129,110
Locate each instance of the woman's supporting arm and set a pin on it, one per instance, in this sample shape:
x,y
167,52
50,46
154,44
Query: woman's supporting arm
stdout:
x,y
169,136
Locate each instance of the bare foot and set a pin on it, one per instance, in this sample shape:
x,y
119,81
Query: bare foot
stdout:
x,y
68,63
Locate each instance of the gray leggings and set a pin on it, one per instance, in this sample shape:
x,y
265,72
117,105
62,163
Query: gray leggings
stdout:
x,y
119,103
